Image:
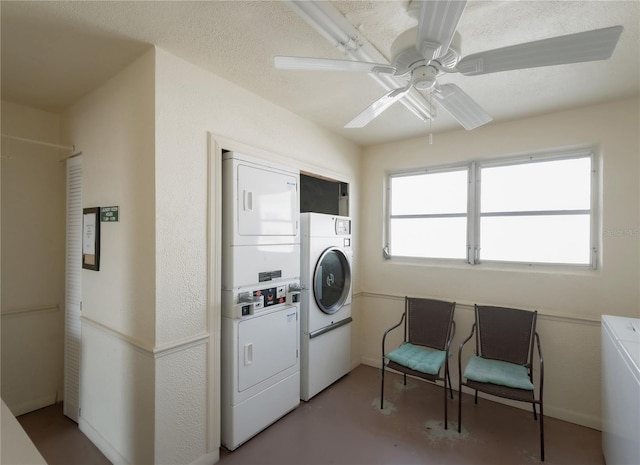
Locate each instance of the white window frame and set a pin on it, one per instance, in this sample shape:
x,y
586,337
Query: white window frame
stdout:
x,y
474,256
431,170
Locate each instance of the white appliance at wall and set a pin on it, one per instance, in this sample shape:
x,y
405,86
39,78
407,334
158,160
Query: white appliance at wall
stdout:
x,y
326,301
260,221
260,330
260,360
620,389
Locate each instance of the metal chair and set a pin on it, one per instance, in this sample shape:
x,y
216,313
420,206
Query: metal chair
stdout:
x,y
428,331
503,362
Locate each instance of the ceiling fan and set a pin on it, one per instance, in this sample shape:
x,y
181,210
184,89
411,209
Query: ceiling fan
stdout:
x,y
423,53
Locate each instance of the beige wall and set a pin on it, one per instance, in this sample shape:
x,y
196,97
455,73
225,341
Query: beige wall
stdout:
x,y
33,231
570,302
113,127
150,139
197,114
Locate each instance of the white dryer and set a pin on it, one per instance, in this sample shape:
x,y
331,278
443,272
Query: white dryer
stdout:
x,y
260,362
325,276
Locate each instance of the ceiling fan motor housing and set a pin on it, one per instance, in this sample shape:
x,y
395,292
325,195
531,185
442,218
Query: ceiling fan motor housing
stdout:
x,y
405,56
424,77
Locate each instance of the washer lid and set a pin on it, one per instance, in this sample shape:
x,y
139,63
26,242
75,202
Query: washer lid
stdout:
x,y
331,280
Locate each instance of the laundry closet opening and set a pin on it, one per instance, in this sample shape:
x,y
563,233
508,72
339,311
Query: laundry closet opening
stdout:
x,y
323,195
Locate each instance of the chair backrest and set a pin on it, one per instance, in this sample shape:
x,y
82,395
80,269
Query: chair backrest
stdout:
x,y
505,334
428,322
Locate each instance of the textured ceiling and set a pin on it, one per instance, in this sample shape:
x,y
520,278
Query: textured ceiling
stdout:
x,y
55,52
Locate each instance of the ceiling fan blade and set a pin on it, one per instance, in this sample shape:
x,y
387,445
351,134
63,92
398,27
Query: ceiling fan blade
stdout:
x,y
377,107
324,64
573,48
437,22
462,107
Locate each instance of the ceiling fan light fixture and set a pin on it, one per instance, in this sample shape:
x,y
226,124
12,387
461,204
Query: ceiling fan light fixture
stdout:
x,y
424,77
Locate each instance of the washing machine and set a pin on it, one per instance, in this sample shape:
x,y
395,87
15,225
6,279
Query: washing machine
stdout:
x,y
325,277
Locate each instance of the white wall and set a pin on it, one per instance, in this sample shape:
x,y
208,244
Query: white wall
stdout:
x,y
570,303
194,108
114,128
33,231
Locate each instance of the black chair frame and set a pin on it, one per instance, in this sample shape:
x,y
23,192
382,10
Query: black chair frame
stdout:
x,y
443,312
504,354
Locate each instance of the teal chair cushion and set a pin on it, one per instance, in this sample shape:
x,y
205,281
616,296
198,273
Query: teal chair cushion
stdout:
x,y
498,372
418,358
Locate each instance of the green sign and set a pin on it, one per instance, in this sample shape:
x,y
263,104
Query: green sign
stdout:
x,y
109,214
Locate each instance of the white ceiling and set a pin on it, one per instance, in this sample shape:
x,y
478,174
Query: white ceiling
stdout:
x,y
54,52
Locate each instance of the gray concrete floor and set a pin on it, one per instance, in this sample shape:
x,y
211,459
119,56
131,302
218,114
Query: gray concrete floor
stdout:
x,y
58,438
344,425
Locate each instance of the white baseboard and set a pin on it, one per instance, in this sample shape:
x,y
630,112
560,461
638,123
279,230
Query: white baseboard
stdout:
x,y
549,410
101,443
207,459
32,404
372,362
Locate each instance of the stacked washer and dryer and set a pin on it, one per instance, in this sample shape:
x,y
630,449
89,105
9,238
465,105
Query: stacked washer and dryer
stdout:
x,y
260,330
286,297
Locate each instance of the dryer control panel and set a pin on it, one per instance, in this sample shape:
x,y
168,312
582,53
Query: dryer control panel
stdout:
x,y
250,302
343,227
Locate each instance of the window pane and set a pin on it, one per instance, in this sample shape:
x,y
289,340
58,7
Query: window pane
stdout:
x,y
536,239
429,237
429,193
548,185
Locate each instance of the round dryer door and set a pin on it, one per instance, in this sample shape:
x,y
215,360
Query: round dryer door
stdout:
x,y
331,280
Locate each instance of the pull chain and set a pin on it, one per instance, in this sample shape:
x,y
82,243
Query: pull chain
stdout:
x,y
430,100
430,133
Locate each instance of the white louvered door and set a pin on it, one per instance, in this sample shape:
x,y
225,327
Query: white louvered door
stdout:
x,y
73,292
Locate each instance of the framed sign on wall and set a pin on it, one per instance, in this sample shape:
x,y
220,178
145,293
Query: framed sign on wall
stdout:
x,y
91,238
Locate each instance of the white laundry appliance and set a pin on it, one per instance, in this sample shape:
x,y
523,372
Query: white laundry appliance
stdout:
x,y
326,257
260,221
260,361
260,329
620,389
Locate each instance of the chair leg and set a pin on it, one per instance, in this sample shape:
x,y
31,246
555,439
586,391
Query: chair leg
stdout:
x,y
382,388
476,397
450,385
541,434
445,403
405,378
459,405
535,416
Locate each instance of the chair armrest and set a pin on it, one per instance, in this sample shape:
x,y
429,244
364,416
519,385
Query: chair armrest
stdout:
x,y
384,337
473,329
541,363
453,333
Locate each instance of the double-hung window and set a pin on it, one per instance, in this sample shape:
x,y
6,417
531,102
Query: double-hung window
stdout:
x,y
533,209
